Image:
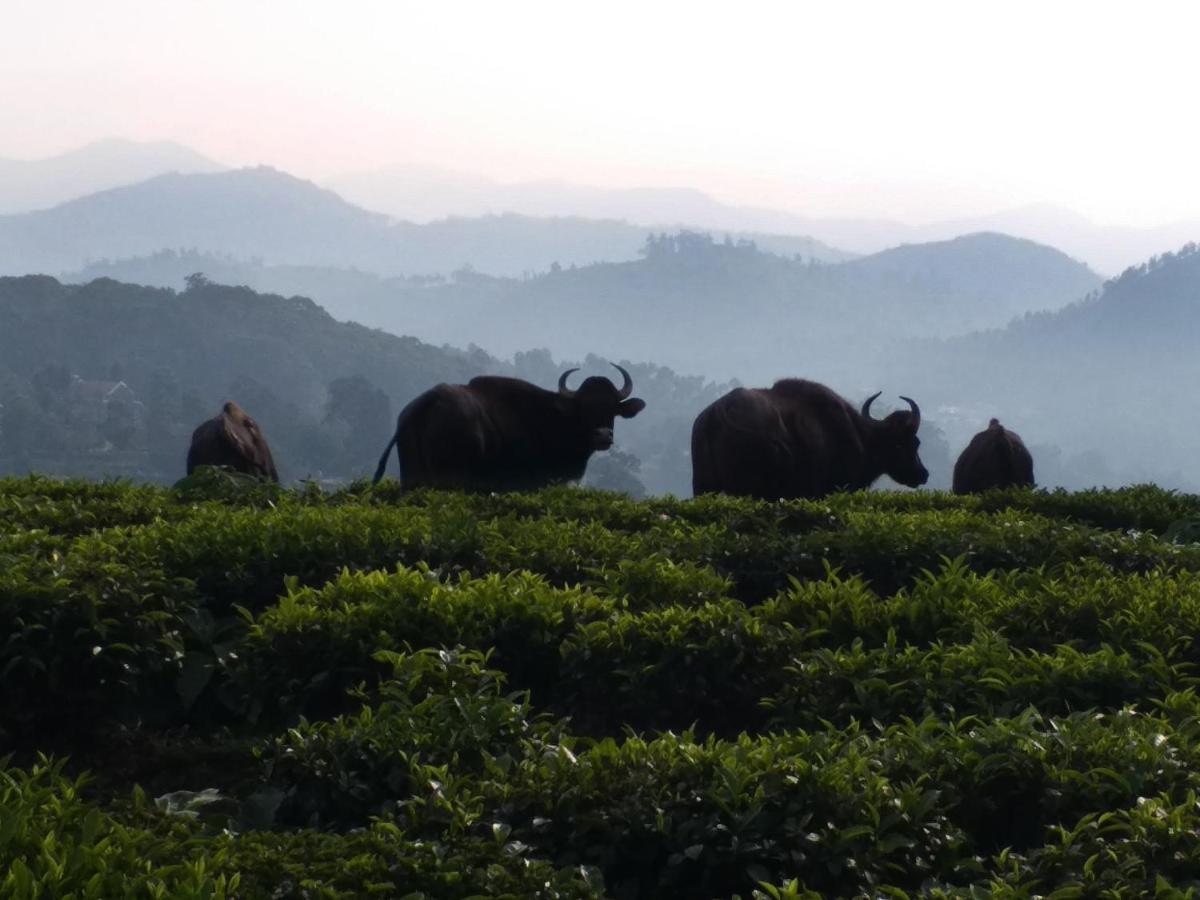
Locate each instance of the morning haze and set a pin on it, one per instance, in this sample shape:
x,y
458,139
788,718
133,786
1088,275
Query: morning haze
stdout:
x,y
928,198
608,451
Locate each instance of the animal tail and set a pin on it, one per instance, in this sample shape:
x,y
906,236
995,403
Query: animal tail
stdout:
x,y
383,459
415,407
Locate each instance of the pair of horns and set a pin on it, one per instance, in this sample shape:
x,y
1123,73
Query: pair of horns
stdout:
x,y
912,404
622,394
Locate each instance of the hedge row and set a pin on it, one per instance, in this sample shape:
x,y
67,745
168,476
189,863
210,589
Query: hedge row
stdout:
x,y
77,506
54,843
830,649
141,623
445,751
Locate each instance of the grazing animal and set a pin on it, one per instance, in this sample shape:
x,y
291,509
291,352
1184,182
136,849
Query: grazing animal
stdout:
x,y
232,439
995,458
800,439
502,434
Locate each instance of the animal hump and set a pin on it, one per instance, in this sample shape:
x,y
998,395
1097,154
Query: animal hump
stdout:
x,y
240,433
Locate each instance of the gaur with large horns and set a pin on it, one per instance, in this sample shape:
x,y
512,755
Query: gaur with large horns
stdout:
x,y
800,439
501,434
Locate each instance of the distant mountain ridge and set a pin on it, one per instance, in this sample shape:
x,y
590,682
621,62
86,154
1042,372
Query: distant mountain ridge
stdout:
x,y
685,294
426,192
721,309
1113,371
1009,276
27,185
1109,249
267,214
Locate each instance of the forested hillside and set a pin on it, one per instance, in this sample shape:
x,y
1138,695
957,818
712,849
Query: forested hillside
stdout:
x,y
1109,375
722,308
110,378
1004,277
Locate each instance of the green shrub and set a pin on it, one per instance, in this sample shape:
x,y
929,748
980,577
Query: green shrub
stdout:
x,y
655,582
672,668
54,844
305,651
77,507
440,715
672,817
892,694
1085,604
985,678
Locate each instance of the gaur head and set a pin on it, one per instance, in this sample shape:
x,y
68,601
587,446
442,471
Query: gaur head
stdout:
x,y
597,402
896,443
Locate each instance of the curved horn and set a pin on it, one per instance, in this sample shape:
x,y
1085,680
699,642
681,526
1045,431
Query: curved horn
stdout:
x,y
916,410
627,387
866,407
562,383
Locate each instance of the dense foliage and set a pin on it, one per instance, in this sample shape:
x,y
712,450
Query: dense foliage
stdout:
x,y
109,379
230,689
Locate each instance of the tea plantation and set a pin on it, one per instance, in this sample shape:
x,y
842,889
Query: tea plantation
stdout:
x,y
231,690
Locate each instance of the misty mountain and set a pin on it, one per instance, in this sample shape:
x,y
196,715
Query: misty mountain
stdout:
x,y
1110,374
423,193
427,193
42,183
701,290
1006,277
259,212
270,215
325,392
719,308
1108,249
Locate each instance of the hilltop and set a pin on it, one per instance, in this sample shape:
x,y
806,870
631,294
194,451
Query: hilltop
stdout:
x,y
326,392
1126,349
42,183
425,193
263,213
723,308
1009,276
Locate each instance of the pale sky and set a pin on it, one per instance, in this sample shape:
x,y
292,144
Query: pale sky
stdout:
x,y
910,110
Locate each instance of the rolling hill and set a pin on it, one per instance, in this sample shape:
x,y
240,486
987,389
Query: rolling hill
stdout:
x,y
1008,276
424,193
42,183
720,308
267,214
184,353
1111,374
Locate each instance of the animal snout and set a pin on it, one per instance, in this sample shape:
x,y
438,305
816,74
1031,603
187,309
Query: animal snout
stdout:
x,y
602,438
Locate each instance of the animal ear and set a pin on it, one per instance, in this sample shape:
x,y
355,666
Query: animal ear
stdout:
x,y
630,408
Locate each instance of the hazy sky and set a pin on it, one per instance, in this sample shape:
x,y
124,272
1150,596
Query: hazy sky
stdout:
x,y
913,110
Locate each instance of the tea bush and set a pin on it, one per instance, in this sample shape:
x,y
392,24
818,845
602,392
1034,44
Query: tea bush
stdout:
x,y
572,694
